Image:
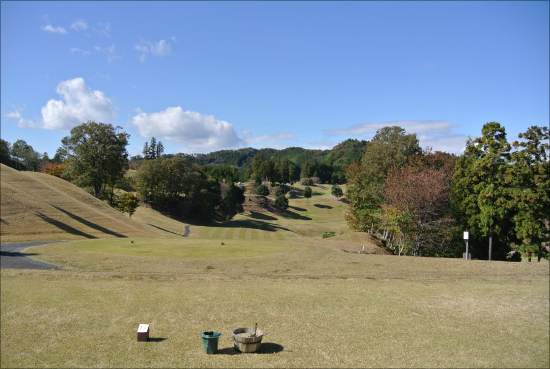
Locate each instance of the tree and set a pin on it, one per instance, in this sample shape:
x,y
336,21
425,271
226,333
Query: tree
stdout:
x,y
336,191
279,191
530,190
153,149
149,181
481,189
5,148
391,146
420,192
56,170
257,180
128,203
97,155
160,149
307,193
24,152
234,196
61,152
263,191
145,151
281,202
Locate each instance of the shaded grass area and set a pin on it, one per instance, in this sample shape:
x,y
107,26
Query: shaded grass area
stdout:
x,y
68,320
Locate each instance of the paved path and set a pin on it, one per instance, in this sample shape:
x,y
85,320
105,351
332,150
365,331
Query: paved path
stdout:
x,y
187,231
11,256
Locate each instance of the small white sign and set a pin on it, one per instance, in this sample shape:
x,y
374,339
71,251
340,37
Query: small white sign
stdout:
x,y
143,328
466,235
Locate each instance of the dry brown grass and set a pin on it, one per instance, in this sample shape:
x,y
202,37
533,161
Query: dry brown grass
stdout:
x,y
66,319
320,306
37,206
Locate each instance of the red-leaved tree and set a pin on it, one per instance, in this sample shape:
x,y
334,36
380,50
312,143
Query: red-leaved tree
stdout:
x,y
417,203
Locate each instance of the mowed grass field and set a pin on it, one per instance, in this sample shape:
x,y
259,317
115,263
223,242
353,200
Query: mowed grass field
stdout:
x,y
321,303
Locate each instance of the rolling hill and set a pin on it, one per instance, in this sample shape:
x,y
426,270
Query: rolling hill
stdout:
x,y
36,206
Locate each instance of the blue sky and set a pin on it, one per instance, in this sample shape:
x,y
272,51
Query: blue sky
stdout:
x,y
206,76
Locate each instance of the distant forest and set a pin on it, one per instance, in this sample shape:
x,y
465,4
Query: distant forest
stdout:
x,y
237,164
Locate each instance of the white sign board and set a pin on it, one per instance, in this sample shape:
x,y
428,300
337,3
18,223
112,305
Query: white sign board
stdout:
x,y
466,235
143,328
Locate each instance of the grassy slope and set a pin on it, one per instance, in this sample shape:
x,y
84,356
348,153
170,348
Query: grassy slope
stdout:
x,y
40,207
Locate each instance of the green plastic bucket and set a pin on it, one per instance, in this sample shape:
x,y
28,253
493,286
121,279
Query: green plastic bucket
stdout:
x,y
210,341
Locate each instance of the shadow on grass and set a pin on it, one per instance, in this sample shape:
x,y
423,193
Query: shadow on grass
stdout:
x,y
292,215
64,227
16,254
164,230
254,224
297,208
322,206
89,224
261,216
156,339
265,348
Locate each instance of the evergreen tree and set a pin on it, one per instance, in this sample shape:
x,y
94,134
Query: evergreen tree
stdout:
x,y
530,193
480,189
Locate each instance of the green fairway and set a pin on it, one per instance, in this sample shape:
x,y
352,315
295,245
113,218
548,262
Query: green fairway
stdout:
x,y
181,248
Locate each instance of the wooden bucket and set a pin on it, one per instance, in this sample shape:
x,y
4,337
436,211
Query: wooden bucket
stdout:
x,y
245,342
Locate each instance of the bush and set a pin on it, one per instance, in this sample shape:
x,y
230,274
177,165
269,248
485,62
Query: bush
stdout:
x,y
329,234
281,202
279,191
515,256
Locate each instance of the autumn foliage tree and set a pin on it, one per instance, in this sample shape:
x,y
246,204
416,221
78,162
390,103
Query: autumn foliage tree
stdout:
x,y
417,203
391,146
56,170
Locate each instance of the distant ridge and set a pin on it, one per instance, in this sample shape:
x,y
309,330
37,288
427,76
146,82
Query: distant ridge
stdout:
x,y
40,207
345,152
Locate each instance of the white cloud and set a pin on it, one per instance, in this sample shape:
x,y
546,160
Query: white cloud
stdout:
x,y
453,143
141,48
198,132
22,122
109,51
14,114
77,50
79,25
173,38
268,139
80,104
160,48
104,29
434,133
50,28
411,126
321,145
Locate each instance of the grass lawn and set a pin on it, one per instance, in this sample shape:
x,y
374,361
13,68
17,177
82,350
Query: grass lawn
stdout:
x,y
66,319
321,303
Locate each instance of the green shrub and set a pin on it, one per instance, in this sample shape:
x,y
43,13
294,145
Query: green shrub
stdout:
x,y
281,202
329,234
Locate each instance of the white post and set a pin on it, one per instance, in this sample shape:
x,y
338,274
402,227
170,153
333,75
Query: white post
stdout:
x,y
466,237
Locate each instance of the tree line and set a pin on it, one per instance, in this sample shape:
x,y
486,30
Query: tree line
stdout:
x,y
420,202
